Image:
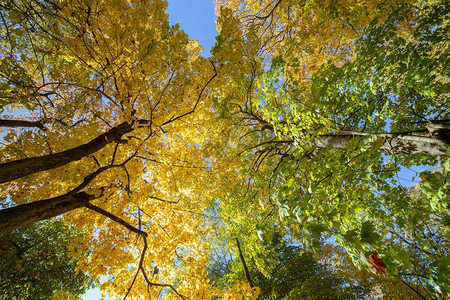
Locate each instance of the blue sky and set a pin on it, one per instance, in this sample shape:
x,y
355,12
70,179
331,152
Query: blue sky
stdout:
x,y
197,19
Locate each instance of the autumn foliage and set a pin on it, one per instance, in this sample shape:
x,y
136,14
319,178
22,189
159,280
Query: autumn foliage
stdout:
x,y
112,120
377,263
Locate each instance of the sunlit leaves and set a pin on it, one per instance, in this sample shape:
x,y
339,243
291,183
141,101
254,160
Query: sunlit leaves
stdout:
x,y
372,72
81,68
35,264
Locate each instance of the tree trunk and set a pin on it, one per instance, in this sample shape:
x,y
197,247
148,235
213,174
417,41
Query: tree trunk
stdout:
x,y
26,214
20,168
395,144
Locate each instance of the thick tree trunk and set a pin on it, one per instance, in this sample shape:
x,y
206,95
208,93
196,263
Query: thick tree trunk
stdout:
x,y
396,144
20,168
26,214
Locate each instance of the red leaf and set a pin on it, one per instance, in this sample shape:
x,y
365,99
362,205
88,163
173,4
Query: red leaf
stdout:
x,y
377,263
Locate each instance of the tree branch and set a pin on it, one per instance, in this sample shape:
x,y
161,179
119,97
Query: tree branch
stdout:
x,y
415,291
20,123
244,265
25,214
395,144
147,280
114,218
20,168
270,13
196,102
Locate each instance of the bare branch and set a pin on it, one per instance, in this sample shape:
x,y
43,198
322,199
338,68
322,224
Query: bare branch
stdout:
x,y
244,265
20,123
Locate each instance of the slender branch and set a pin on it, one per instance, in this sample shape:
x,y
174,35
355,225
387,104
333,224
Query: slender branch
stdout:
x,y
147,280
114,218
415,291
114,153
139,268
415,246
91,177
244,265
162,200
196,102
270,13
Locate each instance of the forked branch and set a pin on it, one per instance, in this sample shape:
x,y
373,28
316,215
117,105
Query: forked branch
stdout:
x,y
147,280
196,102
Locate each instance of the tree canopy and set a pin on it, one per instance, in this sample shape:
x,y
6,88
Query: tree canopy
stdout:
x,y
298,125
296,275
35,264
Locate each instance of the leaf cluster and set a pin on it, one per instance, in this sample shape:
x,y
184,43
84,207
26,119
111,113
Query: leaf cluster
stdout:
x,y
35,263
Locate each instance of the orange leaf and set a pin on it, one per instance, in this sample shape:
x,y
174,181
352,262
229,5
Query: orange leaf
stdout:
x,y
377,263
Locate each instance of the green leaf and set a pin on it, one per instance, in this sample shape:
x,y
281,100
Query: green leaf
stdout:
x,y
351,236
402,255
369,235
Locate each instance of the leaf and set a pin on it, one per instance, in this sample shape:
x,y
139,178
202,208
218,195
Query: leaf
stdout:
x,y
290,182
283,211
369,235
401,255
351,236
260,235
377,263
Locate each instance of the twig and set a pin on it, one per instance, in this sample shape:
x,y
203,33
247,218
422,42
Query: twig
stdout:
x,y
172,119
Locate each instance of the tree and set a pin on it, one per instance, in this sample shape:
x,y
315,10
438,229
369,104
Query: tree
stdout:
x,y
109,115
104,115
34,262
73,62
305,34
320,139
295,275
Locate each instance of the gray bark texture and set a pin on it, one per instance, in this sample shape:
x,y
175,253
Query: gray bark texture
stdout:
x,y
395,144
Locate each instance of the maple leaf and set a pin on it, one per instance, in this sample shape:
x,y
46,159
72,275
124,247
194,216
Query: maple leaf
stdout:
x,y
377,263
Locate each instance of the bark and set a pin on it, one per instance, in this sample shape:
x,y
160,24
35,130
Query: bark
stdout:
x,y
20,168
395,144
244,265
20,123
26,214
